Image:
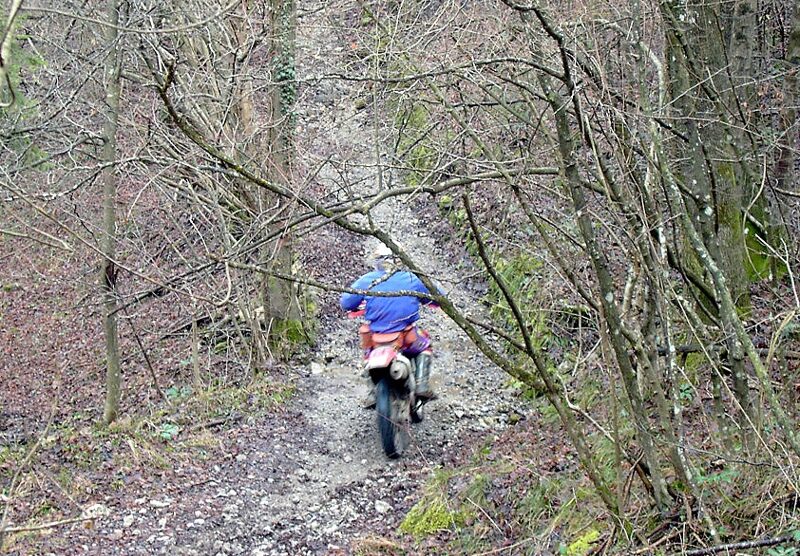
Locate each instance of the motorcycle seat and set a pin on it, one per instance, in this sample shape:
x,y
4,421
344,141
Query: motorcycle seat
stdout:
x,y
385,338
399,339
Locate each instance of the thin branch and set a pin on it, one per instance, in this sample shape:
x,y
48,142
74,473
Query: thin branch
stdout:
x,y
153,375
29,456
505,290
64,246
50,525
739,545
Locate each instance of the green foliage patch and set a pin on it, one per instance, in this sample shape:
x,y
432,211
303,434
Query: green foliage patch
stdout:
x,y
290,337
411,122
255,398
760,263
11,457
583,544
430,515
471,508
519,273
22,61
539,503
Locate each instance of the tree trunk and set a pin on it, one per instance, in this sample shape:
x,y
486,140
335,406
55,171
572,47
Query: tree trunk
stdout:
x,y
108,272
280,301
710,66
784,168
716,173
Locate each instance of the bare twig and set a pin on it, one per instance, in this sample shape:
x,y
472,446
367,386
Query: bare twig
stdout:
x,y
49,525
150,368
217,422
739,546
508,548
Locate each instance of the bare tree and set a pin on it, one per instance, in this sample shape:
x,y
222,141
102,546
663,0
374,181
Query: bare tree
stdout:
x,y
108,270
244,64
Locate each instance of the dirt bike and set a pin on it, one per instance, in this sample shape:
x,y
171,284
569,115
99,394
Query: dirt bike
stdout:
x,y
396,403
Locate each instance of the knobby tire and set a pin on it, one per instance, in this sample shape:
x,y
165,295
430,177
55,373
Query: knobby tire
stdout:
x,y
388,423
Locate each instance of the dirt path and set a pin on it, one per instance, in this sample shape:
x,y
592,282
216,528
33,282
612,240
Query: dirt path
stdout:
x,y
314,479
336,484
341,484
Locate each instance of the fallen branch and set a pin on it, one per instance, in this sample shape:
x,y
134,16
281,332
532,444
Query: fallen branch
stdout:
x,y
379,544
50,525
216,422
506,548
739,545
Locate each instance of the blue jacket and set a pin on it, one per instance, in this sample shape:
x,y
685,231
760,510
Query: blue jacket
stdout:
x,y
387,314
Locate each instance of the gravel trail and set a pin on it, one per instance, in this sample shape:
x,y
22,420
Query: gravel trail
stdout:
x,y
344,487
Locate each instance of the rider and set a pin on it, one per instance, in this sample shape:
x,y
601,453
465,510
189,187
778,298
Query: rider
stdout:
x,y
388,314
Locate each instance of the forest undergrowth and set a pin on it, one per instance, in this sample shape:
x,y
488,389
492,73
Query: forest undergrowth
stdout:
x,y
523,491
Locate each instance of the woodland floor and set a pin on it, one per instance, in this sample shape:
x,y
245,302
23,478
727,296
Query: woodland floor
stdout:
x,y
306,476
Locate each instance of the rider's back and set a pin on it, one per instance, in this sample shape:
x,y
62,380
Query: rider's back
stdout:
x,y
387,314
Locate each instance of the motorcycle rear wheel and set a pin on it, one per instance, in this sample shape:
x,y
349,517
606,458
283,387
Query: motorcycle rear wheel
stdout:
x,y
393,417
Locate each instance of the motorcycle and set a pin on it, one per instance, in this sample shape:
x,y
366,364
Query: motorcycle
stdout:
x,y
396,403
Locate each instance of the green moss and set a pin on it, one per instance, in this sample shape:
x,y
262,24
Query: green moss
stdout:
x,y
582,545
420,160
758,260
760,263
693,363
290,330
289,337
430,515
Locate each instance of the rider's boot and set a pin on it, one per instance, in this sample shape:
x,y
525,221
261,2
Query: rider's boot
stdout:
x,y
369,401
422,375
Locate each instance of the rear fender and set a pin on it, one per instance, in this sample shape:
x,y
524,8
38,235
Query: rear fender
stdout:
x,y
381,357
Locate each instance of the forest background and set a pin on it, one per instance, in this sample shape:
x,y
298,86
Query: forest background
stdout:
x,y
618,182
